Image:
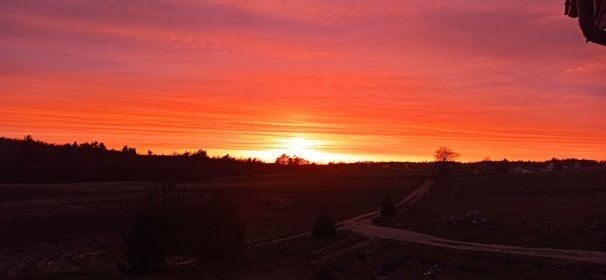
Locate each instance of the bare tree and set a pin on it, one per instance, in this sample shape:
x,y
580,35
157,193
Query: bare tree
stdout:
x,y
444,154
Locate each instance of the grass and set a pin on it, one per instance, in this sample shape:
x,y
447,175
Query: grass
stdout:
x,y
563,209
356,257
75,228
64,231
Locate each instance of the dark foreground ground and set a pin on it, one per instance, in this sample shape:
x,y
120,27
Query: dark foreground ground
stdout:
x,y
563,209
72,230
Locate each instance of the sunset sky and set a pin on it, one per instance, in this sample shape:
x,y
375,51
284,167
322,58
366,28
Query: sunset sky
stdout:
x,y
329,80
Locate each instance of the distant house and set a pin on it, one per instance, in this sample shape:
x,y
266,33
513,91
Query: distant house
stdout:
x,y
519,170
550,167
572,165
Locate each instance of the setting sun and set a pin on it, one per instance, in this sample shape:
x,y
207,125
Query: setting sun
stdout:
x,y
300,146
311,149
306,148
298,139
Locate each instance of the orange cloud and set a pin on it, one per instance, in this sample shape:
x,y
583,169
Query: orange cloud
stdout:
x,y
365,80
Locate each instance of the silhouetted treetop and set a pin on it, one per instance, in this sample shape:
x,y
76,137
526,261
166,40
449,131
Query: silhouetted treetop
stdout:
x,y
28,160
444,154
285,159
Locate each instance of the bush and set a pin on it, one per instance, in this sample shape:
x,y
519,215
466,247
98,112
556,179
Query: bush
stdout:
x,y
324,227
387,208
155,229
170,224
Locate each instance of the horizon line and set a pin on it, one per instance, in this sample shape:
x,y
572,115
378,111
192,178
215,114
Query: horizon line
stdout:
x,y
241,158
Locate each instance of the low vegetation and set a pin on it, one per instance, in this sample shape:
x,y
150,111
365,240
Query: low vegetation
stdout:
x,y
324,227
171,224
157,229
387,208
560,209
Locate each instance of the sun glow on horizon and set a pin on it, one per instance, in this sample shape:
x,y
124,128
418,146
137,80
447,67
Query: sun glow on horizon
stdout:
x,y
328,82
313,150
299,146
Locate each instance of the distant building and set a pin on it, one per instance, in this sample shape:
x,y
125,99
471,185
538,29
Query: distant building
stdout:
x,y
572,165
519,170
550,167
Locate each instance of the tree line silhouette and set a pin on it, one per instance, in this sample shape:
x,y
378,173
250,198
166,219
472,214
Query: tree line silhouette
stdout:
x,y
29,160
174,224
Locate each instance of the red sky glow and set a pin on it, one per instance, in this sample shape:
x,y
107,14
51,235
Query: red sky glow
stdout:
x,y
330,80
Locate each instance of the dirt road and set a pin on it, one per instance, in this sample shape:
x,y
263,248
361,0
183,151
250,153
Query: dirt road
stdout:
x,y
362,225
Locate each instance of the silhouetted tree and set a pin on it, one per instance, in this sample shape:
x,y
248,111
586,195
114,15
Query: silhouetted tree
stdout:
x,y
29,160
170,223
443,156
557,164
324,227
156,230
200,154
503,166
298,161
285,159
129,150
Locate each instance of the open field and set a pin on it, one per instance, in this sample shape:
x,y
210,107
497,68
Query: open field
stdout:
x,y
352,256
356,257
564,209
75,228
58,231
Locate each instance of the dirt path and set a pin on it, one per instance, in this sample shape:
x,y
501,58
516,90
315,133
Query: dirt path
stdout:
x,y
362,225
410,199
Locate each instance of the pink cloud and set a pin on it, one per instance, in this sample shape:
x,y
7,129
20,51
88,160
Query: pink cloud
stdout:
x,y
491,78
